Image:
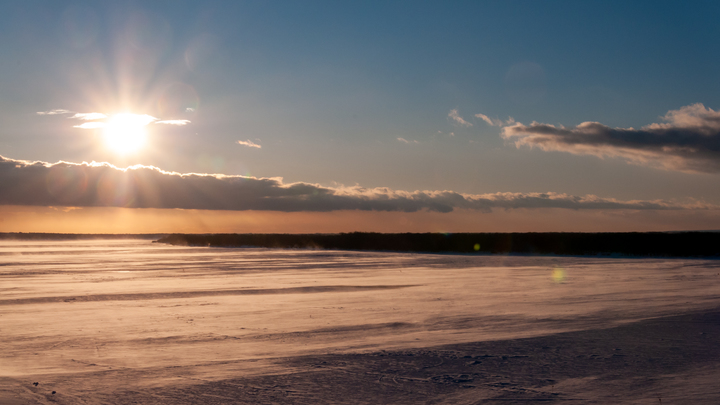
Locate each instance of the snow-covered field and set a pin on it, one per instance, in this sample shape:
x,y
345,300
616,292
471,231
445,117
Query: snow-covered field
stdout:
x,y
129,321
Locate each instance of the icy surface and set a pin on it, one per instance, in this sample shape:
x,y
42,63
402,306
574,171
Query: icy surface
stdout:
x,y
94,317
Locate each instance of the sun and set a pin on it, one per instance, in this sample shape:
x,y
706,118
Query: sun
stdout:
x,y
126,133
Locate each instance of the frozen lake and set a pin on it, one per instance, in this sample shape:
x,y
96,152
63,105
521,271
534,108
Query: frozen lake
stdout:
x,y
95,319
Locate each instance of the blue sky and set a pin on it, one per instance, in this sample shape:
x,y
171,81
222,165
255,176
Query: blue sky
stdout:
x,y
339,94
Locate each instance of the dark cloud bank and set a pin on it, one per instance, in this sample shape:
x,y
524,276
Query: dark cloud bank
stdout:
x,y
103,185
689,140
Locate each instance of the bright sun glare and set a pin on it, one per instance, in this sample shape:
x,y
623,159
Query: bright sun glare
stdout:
x,y
125,133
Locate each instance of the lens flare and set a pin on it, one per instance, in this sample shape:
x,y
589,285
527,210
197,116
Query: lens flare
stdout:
x,y
558,275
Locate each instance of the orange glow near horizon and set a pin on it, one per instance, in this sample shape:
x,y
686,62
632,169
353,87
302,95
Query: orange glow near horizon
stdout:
x,y
126,220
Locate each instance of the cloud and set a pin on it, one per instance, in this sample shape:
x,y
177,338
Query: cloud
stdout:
x,y
100,120
249,144
128,119
76,115
173,122
104,185
688,140
91,125
490,121
494,121
54,112
403,140
453,114
89,116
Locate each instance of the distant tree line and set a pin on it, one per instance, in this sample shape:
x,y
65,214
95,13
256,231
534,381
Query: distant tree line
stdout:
x,y
662,244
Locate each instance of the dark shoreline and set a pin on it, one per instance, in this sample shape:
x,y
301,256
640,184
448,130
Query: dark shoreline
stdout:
x,y
697,244
77,236
626,244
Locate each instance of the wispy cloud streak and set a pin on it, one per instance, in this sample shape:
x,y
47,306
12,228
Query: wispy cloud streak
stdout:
x,y
174,122
688,140
100,120
54,112
490,121
403,140
494,121
101,184
89,116
249,144
91,125
455,116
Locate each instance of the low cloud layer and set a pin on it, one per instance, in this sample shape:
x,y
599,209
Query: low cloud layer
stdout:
x,y
103,185
688,140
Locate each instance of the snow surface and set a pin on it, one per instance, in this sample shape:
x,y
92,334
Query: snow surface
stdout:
x,y
129,321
